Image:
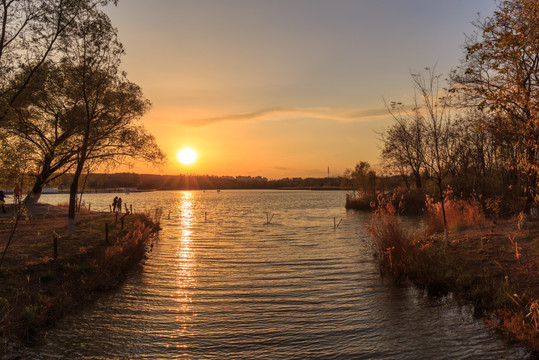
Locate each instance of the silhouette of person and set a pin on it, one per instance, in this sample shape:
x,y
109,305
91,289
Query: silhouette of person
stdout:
x,y
17,192
119,204
114,203
2,200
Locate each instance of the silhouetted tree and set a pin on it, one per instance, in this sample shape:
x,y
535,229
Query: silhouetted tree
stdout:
x,y
30,31
109,102
404,142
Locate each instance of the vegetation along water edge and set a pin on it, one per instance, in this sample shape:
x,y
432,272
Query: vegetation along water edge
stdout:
x,y
491,263
45,274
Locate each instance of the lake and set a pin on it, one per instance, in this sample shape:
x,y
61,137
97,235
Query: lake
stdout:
x,y
253,274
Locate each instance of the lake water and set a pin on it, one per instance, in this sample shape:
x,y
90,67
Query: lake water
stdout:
x,y
222,283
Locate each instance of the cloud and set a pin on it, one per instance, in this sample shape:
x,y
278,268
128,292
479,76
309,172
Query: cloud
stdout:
x,y
276,113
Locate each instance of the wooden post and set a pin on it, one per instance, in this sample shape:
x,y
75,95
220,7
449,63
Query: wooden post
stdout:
x,y
110,208
205,216
89,207
334,224
55,246
106,233
131,208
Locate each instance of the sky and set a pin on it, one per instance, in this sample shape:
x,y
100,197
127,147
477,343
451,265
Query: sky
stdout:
x,y
282,88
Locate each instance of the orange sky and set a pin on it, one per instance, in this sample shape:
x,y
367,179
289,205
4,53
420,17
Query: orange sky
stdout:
x,y
280,88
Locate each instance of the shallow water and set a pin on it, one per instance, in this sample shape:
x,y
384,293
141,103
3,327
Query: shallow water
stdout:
x,y
222,283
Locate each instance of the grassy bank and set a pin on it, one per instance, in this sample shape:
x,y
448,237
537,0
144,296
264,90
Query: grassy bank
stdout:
x,y
37,289
492,265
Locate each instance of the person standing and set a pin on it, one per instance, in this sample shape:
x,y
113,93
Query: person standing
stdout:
x,y
17,194
119,204
2,200
114,203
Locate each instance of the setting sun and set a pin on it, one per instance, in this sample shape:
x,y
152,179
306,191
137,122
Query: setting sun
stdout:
x,y
187,156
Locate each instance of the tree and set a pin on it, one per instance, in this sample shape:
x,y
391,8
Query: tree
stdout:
x,y
109,102
424,137
440,139
501,76
47,118
404,142
81,109
361,178
29,34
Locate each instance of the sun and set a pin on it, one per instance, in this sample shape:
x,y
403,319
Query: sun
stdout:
x,y
187,156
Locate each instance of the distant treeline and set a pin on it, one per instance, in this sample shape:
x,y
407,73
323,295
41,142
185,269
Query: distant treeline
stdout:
x,y
195,182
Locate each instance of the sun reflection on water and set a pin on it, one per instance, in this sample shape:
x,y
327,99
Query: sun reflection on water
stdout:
x,y
185,265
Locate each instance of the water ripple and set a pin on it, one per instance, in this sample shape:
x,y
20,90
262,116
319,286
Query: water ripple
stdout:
x,y
221,283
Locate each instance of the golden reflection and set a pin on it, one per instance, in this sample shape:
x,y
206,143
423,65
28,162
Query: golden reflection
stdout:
x,y
185,264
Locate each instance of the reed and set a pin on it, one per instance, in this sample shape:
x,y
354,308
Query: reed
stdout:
x,y
390,241
460,213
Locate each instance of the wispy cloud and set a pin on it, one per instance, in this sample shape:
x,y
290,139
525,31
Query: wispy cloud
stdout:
x,y
277,113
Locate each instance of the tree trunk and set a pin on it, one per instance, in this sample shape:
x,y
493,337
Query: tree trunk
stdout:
x,y
72,203
417,178
34,195
531,186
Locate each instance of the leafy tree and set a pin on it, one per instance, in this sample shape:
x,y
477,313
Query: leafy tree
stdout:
x,y
501,76
80,110
29,34
361,178
47,118
109,102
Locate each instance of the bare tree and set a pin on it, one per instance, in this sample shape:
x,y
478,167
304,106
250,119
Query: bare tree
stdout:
x,y
404,141
440,140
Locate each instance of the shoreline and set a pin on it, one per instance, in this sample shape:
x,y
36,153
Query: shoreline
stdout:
x,y
493,267
38,290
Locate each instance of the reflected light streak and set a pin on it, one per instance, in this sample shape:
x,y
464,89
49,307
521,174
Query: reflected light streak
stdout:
x,y
185,266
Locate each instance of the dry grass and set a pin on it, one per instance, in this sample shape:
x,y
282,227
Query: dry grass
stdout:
x,y
460,214
494,267
389,238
